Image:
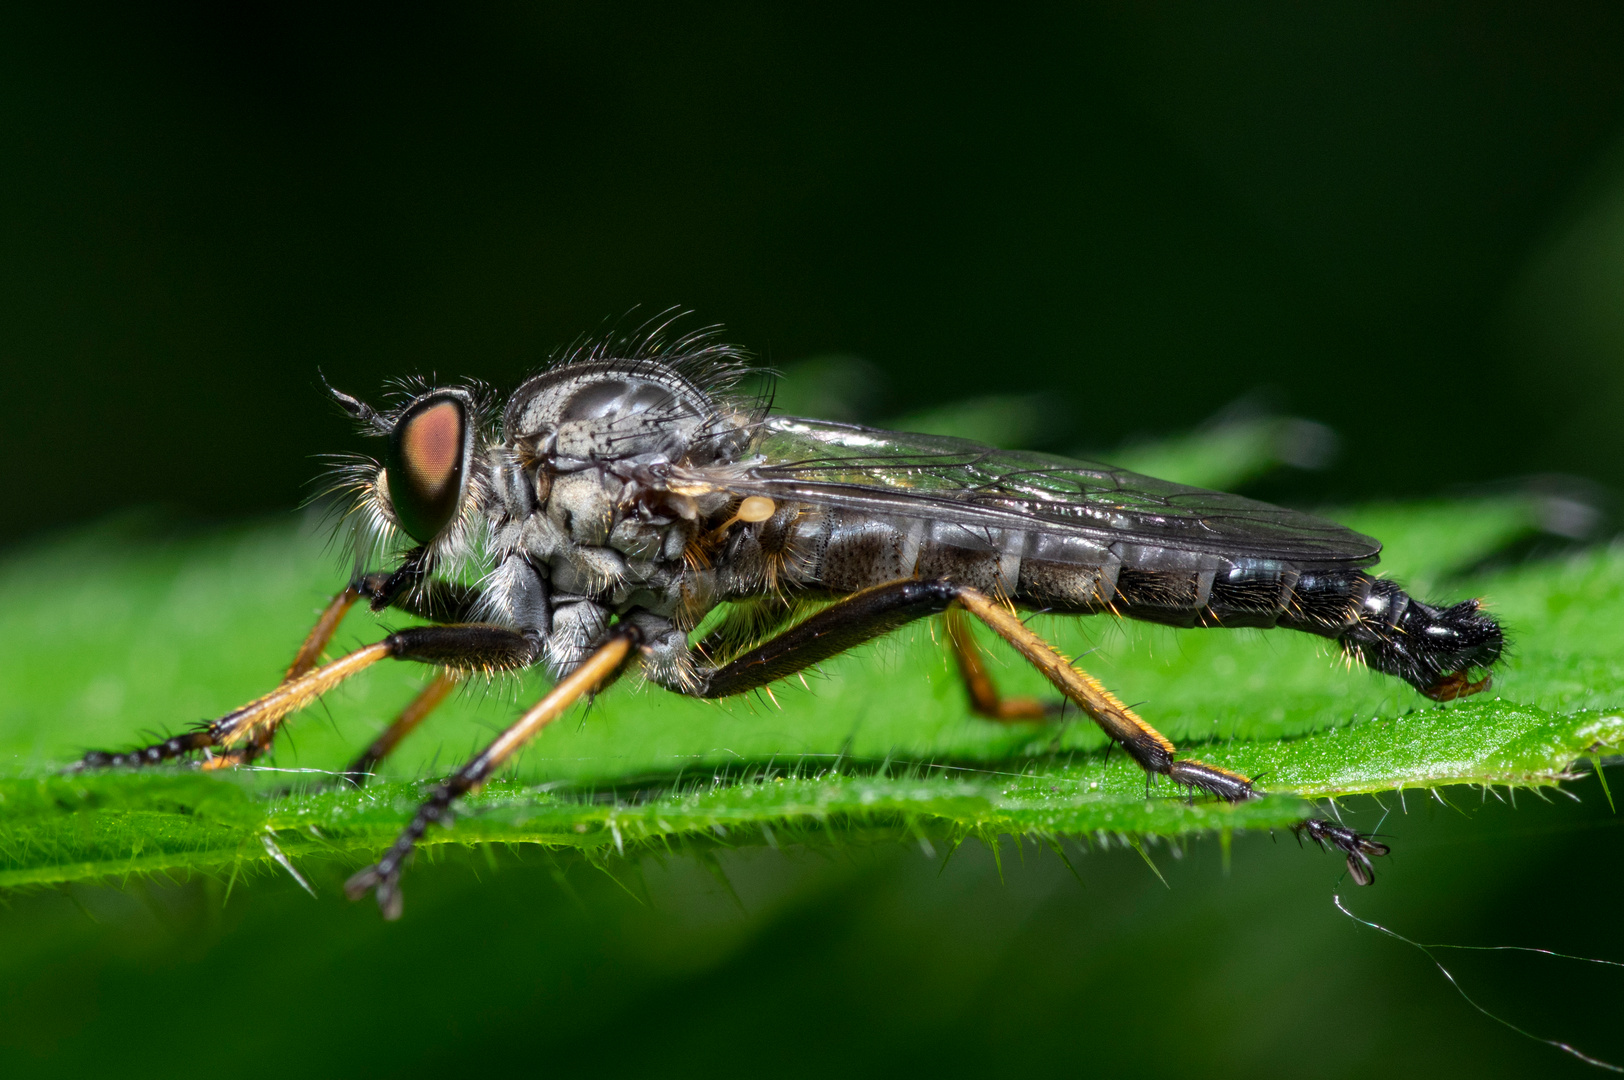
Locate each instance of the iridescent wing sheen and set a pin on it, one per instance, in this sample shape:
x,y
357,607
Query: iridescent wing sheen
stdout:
x,y
894,474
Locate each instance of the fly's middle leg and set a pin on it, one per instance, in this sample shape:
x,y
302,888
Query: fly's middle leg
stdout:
x,y
600,668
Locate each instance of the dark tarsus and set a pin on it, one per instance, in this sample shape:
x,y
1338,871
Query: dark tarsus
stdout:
x,y
1358,847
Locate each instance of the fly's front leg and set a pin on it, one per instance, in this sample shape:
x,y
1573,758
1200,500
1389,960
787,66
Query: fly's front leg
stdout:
x,y
203,739
404,588
381,589
383,877
305,660
437,601
470,646
315,643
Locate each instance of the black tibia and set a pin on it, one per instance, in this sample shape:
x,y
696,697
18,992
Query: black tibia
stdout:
x,y
1358,847
597,670
473,646
1433,649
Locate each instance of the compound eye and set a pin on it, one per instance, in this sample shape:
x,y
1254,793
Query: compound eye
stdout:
x,y
427,464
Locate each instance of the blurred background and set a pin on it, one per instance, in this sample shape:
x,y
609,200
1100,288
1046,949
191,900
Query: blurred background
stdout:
x,y
1403,223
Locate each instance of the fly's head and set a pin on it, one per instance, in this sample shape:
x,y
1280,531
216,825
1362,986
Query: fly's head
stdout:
x,y
429,489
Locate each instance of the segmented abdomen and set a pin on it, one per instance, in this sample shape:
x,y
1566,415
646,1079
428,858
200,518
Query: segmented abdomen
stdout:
x,y
846,552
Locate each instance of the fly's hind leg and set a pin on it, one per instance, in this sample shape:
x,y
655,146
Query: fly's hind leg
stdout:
x,y
1149,747
985,700
1355,845
866,615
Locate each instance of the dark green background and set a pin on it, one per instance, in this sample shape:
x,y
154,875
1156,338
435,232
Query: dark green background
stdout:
x,y
1141,211
1407,222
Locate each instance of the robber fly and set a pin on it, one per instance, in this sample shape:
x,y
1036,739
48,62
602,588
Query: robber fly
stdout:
x,y
634,486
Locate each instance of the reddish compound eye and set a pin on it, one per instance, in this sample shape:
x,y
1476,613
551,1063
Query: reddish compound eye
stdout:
x,y
427,464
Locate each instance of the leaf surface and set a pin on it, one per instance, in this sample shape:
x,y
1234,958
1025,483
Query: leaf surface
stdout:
x,y
113,639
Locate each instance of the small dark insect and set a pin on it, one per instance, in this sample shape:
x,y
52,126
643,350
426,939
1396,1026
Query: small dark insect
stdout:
x,y
633,487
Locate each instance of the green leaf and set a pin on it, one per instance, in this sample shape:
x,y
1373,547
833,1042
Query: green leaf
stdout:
x,y
111,638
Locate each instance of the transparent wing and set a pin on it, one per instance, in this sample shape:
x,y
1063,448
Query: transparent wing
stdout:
x,y
945,479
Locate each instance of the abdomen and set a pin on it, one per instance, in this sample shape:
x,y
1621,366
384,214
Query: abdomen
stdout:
x,y
845,552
